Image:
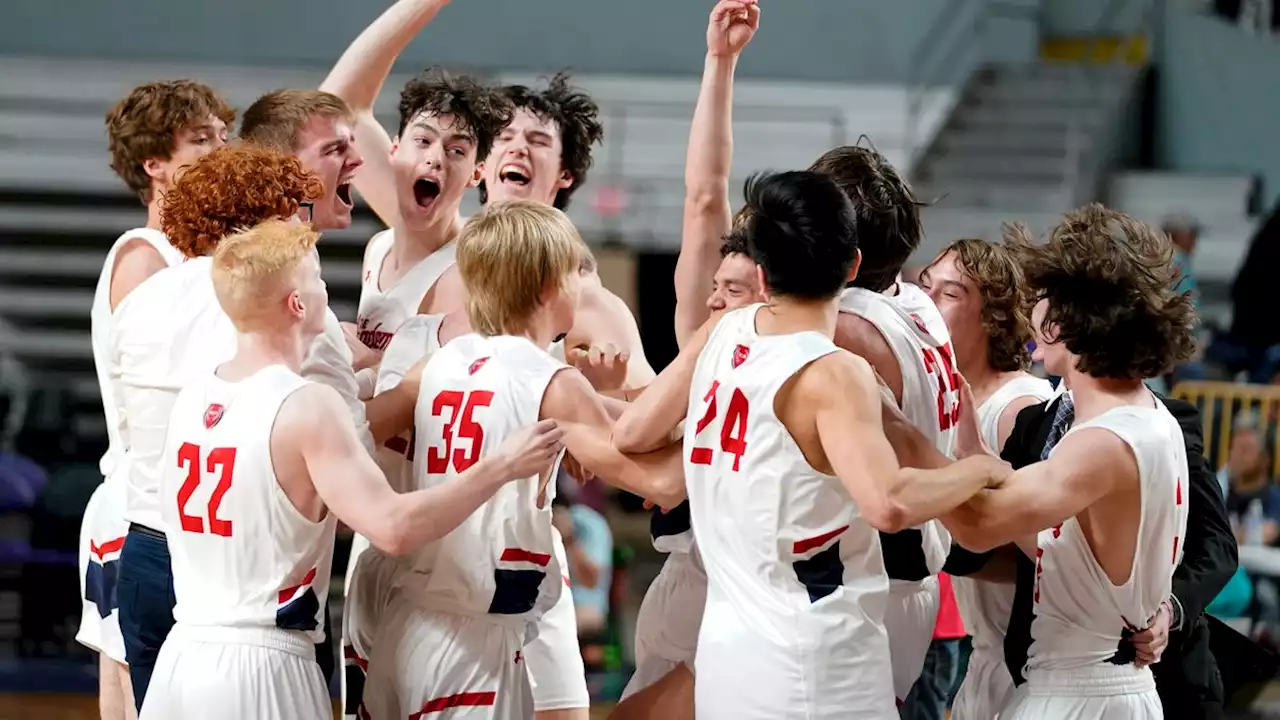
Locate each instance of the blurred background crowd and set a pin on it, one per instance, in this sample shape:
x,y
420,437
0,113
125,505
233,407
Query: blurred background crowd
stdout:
x,y
997,109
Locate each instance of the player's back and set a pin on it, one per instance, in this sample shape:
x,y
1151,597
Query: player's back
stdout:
x,y
102,335
499,563
243,554
796,584
1080,615
169,332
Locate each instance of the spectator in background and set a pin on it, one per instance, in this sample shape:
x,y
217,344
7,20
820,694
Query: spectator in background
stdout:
x,y
588,543
1183,231
1253,504
931,696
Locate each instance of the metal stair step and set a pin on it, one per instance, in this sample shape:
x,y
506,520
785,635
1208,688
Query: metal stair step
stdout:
x,y
963,166
1026,197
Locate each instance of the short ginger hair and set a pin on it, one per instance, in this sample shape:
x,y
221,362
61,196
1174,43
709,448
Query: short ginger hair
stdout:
x,y
509,254
254,268
274,120
230,189
1108,281
144,125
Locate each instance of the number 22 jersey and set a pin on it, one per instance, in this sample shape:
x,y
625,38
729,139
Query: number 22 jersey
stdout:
x,y
796,584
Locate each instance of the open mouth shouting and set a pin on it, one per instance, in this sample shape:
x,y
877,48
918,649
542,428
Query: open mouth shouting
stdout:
x,y
515,174
343,193
425,192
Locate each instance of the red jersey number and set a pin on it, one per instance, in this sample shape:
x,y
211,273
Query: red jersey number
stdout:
x,y
220,462
940,362
461,425
733,430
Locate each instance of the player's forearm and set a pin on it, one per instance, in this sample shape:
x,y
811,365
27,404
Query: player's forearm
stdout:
x,y
359,74
391,412
656,476
651,416
710,155
424,516
926,494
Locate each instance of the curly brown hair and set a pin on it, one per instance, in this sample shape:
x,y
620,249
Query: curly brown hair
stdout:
x,y
1001,286
1109,282
477,109
576,116
274,120
230,189
144,125
888,213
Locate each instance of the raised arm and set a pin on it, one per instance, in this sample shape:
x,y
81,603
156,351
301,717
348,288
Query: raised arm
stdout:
x,y
657,476
1085,467
708,161
358,78
846,399
603,319
352,486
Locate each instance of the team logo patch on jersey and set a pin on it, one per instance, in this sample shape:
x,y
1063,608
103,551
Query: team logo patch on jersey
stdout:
x,y
920,323
475,366
212,415
740,354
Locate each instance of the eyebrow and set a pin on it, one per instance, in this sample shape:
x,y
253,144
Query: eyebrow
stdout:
x,y
453,137
955,283
335,143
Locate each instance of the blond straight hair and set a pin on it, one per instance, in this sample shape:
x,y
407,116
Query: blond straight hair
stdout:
x,y
253,268
509,255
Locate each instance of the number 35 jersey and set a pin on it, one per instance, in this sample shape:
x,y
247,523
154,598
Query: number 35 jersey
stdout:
x,y
499,563
243,556
780,540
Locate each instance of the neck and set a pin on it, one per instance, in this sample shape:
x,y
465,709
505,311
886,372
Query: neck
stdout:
x,y
153,209
1093,395
781,316
413,245
258,349
983,379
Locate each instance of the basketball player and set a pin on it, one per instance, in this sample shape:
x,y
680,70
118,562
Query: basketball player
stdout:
x,y
790,475
671,612
457,621
152,133
260,456
1104,513
172,327
980,292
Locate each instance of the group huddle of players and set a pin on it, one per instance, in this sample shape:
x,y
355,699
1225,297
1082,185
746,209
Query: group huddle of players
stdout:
x,y
814,453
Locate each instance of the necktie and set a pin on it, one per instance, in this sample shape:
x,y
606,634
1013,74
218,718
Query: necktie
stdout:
x,y
1062,419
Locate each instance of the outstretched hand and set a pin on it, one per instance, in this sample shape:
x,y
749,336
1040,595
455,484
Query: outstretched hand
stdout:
x,y
733,24
532,449
604,367
969,440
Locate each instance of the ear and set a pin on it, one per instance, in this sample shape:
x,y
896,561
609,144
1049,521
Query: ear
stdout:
x,y
156,170
764,286
565,180
476,176
296,308
857,263
395,145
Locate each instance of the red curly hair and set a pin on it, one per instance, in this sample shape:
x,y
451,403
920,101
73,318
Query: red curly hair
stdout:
x,y
231,189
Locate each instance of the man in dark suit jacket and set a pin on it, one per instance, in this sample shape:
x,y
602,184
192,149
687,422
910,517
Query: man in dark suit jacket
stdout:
x,y
1187,675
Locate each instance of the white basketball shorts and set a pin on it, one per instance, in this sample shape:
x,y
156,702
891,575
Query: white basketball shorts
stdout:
x,y
429,661
217,673
669,620
910,616
368,587
1114,692
102,533
554,658
986,685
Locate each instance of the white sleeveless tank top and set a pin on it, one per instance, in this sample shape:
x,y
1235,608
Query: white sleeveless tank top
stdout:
x,y
102,326
383,311
243,556
985,606
499,564
1080,616
913,328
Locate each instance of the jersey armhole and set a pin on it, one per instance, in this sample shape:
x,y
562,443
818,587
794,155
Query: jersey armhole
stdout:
x,y
788,386
271,460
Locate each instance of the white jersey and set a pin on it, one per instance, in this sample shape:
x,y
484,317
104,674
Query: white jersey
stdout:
x,y
102,324
1080,616
796,587
171,331
499,564
914,329
381,314
985,606
243,556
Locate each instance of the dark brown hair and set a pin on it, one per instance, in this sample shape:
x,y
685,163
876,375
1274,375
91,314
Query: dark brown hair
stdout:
x,y
888,214
476,109
1001,286
231,189
144,125
274,120
575,115
1109,281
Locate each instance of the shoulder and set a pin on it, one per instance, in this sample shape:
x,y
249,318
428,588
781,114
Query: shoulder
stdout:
x,y
567,395
313,406
829,377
